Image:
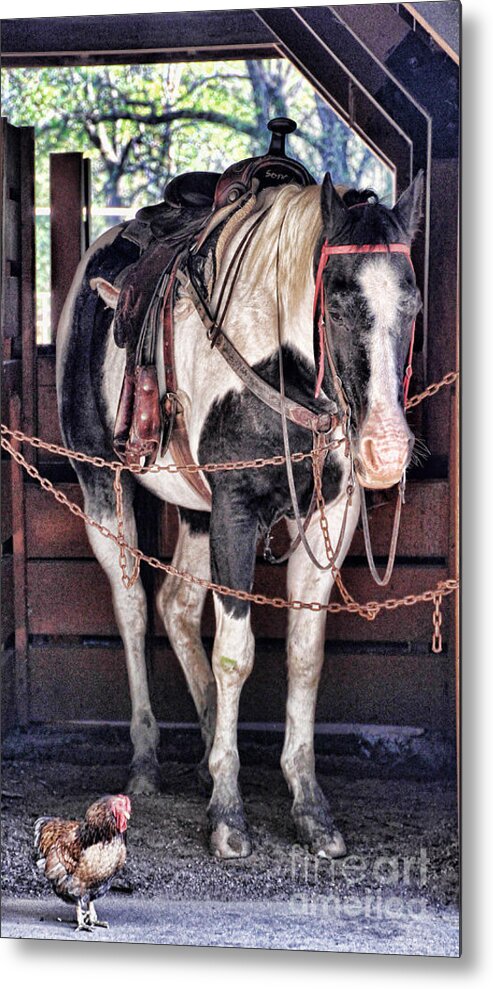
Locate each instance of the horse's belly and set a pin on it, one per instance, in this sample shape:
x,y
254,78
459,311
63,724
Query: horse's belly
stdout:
x,y
173,488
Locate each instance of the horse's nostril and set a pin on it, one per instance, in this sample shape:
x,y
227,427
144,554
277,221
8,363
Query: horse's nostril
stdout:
x,y
369,454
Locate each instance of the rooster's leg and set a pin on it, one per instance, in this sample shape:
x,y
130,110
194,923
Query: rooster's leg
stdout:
x,y
82,918
93,917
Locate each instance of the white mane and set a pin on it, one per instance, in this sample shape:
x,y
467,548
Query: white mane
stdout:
x,y
295,221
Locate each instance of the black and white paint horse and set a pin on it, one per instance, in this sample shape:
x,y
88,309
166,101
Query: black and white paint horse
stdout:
x,y
372,301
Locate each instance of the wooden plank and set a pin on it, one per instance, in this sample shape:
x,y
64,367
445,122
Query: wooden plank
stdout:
x,y
382,32
72,597
8,615
442,350
71,682
67,201
7,661
19,576
388,689
11,250
446,21
120,35
53,532
6,516
46,368
28,287
69,597
48,424
12,157
11,384
48,427
11,306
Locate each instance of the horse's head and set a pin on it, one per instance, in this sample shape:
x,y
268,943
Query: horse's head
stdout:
x,y
371,301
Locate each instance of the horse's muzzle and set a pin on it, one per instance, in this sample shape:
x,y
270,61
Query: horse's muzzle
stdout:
x,y
384,450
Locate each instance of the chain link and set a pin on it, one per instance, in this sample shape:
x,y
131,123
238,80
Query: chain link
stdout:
x,y
448,379
368,610
278,460
436,642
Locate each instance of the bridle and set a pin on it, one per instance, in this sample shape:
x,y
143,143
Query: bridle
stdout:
x,y
321,425
325,350
326,252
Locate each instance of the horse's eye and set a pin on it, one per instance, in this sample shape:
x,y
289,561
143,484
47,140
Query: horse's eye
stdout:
x,y
335,316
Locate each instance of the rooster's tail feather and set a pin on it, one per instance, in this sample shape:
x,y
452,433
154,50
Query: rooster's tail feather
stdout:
x,y
38,828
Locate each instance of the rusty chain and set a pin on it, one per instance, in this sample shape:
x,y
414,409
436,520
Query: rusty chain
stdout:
x,y
277,460
436,642
369,610
442,588
448,379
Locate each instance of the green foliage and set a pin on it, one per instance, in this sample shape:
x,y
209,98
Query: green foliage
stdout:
x,y
142,124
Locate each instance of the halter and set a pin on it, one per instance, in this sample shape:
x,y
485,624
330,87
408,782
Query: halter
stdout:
x,y
319,304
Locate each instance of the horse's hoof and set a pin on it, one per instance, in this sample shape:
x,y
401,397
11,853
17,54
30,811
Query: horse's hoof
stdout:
x,y
329,845
229,843
320,837
144,781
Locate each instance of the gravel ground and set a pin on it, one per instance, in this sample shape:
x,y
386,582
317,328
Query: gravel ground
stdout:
x,y
401,837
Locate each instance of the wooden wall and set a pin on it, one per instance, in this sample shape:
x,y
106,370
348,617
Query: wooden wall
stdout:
x,y
18,402
382,672
400,92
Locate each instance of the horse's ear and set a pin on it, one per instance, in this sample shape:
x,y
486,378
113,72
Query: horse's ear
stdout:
x,y
334,211
106,291
407,209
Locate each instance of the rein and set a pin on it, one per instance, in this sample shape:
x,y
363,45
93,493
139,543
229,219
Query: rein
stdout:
x,y
326,351
321,425
298,414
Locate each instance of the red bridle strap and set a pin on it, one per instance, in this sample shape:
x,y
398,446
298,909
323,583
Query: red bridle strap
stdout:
x,y
319,300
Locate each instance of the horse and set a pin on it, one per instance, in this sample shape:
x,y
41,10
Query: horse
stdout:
x,y
370,303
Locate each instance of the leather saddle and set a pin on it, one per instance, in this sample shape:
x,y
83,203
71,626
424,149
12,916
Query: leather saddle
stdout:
x,y
196,206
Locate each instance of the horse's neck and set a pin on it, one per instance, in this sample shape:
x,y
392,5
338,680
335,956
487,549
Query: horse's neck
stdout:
x,y
264,310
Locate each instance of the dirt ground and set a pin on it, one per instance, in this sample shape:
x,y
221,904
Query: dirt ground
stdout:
x,y
401,836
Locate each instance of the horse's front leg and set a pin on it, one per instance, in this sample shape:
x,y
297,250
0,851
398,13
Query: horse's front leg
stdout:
x,y
233,545
305,655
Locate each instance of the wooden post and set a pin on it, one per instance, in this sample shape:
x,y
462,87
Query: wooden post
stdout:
x,y
27,336
69,198
20,582
18,326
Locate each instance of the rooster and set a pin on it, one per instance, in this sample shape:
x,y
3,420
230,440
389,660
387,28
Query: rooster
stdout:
x,y
80,858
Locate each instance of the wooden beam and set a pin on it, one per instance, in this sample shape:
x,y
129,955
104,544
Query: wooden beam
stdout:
x,y
28,287
339,85
19,575
69,229
130,37
426,13
356,684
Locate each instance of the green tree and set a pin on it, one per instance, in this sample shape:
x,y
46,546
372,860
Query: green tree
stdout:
x,y
142,124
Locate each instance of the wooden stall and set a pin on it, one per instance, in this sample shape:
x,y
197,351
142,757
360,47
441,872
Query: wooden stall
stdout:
x,y
388,75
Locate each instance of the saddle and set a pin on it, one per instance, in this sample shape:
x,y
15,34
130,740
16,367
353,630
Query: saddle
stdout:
x,y
200,210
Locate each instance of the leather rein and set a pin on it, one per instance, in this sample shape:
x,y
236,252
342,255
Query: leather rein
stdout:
x,y
319,306
321,425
